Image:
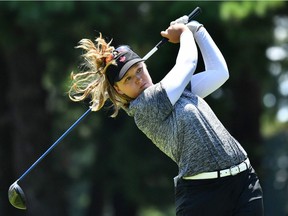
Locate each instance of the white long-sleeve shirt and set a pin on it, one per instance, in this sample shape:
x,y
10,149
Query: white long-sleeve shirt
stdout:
x,y
203,83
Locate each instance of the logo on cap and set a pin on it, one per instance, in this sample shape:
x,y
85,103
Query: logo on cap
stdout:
x,y
122,59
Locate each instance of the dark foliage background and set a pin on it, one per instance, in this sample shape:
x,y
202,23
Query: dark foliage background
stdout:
x,y
106,166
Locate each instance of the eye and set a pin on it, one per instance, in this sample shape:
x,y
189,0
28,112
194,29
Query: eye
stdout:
x,y
127,79
139,70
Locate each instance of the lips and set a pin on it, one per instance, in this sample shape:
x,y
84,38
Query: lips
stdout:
x,y
143,86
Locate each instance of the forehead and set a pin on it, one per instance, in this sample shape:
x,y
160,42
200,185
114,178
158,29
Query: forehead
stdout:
x,y
134,67
137,65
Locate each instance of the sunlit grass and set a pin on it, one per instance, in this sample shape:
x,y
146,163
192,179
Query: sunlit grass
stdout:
x,y
153,211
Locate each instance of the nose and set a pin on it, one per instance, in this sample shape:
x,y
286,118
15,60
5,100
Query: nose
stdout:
x,y
138,79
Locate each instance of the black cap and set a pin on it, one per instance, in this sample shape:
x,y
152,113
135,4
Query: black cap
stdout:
x,y
125,59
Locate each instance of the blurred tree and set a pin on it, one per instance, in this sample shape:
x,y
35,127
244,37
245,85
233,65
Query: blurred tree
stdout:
x,y
6,162
242,23
243,28
28,117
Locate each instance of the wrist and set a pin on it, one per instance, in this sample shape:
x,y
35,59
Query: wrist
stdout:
x,y
194,26
185,31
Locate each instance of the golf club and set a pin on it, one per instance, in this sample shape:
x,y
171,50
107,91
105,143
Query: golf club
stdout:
x,y
16,195
191,16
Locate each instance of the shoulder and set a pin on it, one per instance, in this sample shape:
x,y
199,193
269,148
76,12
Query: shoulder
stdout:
x,y
152,101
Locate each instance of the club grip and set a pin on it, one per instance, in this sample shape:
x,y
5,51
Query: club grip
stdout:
x,y
191,16
194,13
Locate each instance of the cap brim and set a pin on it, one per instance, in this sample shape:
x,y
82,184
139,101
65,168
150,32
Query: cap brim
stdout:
x,y
126,67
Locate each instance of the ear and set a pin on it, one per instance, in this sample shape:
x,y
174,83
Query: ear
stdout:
x,y
118,89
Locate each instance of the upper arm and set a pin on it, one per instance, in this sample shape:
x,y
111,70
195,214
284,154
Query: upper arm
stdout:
x,y
205,83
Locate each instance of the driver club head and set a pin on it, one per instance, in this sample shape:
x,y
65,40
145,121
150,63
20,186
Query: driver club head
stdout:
x,y
16,196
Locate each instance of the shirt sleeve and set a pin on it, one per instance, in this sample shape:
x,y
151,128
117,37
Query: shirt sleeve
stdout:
x,y
204,83
216,71
180,75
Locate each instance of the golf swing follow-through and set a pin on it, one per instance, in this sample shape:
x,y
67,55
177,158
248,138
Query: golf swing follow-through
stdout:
x,y
215,176
16,195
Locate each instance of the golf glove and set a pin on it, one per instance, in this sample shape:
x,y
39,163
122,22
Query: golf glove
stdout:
x,y
194,26
181,20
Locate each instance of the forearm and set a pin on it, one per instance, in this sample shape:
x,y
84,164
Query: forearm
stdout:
x,y
180,75
216,71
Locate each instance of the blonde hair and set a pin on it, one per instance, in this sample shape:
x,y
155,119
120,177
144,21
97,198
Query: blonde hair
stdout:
x,y
92,83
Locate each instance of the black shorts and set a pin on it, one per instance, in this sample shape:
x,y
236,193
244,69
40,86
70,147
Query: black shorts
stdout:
x,y
239,195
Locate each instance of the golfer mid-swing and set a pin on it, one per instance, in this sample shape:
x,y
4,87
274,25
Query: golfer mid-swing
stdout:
x,y
215,176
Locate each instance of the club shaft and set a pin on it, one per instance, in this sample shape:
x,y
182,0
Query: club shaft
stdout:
x,y
55,143
191,16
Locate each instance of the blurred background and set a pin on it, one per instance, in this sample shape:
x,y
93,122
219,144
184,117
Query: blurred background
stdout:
x,y
106,167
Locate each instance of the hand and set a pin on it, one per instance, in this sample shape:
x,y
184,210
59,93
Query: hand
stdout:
x,y
174,32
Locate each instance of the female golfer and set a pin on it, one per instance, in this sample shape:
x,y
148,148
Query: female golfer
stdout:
x,y
215,176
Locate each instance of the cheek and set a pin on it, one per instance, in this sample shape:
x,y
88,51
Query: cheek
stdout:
x,y
123,89
147,75
131,91
118,89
